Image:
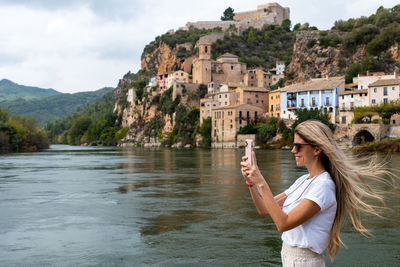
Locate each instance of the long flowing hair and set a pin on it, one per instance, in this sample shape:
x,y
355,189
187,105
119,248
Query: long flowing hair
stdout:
x,y
349,175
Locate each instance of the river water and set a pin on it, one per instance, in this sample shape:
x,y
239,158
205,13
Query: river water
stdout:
x,y
82,206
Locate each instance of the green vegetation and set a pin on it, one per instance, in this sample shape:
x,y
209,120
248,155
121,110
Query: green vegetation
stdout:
x,y
179,37
258,47
228,14
20,134
265,131
53,107
95,124
205,131
10,91
186,125
385,111
385,145
311,114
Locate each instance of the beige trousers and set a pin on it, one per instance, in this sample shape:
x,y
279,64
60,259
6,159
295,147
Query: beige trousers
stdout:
x,y
300,257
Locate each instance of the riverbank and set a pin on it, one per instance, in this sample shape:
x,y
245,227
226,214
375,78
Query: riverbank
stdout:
x,y
385,145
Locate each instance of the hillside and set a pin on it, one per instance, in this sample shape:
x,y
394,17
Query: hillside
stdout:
x,y
11,91
53,107
350,48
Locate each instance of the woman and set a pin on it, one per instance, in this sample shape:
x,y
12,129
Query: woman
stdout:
x,y
309,212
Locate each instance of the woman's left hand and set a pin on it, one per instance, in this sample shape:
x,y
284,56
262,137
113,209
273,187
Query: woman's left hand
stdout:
x,y
251,172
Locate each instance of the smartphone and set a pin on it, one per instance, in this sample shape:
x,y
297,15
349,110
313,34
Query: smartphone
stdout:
x,y
249,148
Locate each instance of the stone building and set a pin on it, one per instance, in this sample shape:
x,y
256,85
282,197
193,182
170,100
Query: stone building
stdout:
x,y
313,94
257,78
271,13
275,103
364,81
183,88
177,76
226,69
228,120
215,100
253,96
162,81
384,91
348,100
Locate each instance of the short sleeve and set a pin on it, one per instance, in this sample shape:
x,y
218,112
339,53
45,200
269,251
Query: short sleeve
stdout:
x,y
322,192
294,185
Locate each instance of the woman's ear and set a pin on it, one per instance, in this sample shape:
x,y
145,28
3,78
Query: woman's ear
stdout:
x,y
317,151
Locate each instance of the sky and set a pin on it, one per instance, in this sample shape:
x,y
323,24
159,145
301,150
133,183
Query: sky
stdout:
x,y
84,45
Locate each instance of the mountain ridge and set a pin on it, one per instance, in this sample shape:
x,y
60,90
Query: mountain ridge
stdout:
x,y
10,90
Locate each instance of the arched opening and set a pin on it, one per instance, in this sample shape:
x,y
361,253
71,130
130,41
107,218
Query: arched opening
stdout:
x,y
362,137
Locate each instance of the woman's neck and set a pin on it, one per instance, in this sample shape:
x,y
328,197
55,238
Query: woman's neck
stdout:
x,y
315,169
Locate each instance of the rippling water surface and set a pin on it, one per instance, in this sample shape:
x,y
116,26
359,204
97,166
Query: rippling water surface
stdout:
x,y
83,206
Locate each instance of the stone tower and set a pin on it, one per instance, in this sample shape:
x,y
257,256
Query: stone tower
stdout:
x,y
202,64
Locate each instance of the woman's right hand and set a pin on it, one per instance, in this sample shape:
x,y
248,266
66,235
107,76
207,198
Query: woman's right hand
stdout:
x,y
251,172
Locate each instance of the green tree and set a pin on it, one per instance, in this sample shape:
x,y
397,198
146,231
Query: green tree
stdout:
x,y
78,129
250,37
286,24
248,129
266,131
4,114
228,14
352,71
205,131
296,27
311,114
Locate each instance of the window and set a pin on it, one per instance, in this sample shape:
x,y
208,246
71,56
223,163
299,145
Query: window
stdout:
x,y
361,87
313,102
272,108
343,119
302,102
373,101
375,90
342,96
272,97
385,101
226,96
392,88
352,96
384,90
231,67
327,101
206,49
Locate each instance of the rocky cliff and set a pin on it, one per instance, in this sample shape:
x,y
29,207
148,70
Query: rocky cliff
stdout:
x,y
161,60
312,59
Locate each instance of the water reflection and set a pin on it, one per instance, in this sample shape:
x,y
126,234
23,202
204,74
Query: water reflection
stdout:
x,y
161,207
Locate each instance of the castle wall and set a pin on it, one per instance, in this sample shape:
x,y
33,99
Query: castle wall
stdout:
x,y
271,13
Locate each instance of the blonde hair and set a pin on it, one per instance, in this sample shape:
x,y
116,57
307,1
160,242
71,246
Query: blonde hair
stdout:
x,y
349,177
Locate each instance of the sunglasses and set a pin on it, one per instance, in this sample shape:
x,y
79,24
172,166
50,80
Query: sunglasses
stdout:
x,y
298,146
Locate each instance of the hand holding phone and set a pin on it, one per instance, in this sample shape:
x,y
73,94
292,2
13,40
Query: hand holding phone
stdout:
x,y
249,148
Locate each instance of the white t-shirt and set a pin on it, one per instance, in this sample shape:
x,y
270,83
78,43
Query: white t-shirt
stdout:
x,y
314,233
